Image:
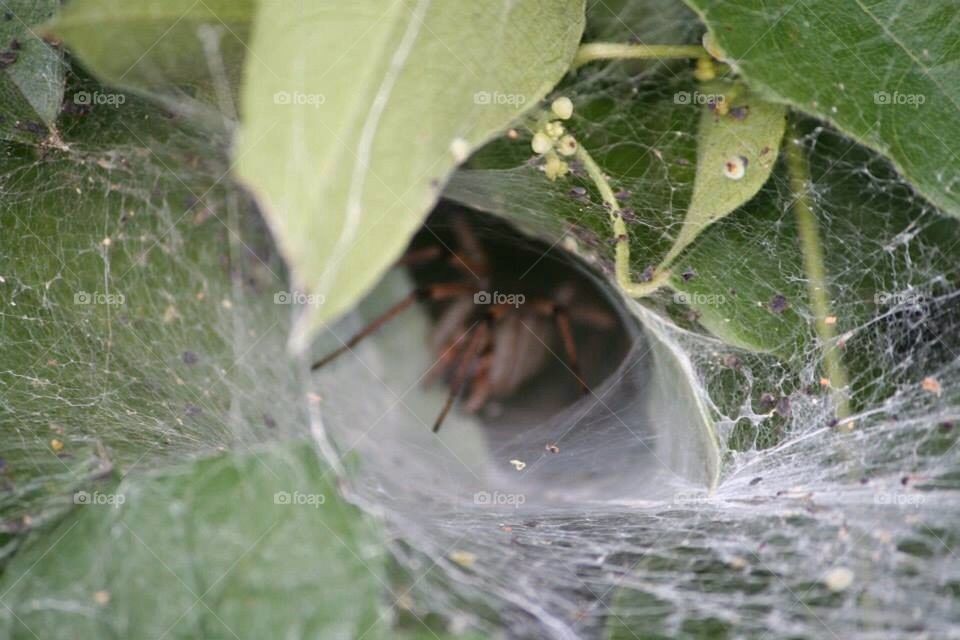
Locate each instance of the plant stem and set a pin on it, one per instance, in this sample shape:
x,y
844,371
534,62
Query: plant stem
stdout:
x,y
813,262
617,51
622,260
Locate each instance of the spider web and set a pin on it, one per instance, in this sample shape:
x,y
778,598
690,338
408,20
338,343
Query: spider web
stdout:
x,y
618,534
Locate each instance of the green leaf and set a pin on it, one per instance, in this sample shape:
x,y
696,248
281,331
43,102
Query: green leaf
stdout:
x,y
31,75
886,77
736,151
178,49
255,546
354,118
138,298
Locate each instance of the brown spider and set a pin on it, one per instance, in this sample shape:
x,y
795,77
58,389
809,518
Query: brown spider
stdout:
x,y
497,319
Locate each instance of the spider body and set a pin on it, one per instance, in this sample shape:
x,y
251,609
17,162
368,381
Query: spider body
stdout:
x,y
503,314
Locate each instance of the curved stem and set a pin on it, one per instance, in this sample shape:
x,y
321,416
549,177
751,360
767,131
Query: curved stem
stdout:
x,y
617,51
622,256
809,230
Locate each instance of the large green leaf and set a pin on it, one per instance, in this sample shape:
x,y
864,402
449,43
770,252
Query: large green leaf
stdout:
x,y
180,49
138,292
254,546
888,77
355,114
31,71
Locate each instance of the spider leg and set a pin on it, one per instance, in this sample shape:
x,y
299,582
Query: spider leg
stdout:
x,y
467,360
470,256
562,320
432,292
480,386
423,255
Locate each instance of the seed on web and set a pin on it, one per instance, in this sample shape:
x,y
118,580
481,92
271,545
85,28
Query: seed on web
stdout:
x,y
463,558
932,385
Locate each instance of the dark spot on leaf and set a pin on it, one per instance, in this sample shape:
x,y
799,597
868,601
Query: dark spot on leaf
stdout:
x,y
756,481
833,422
193,410
739,113
578,192
29,126
783,406
189,357
622,195
905,480
7,58
778,304
688,275
767,402
864,480
8,15
647,274
15,45
945,427
269,421
731,361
